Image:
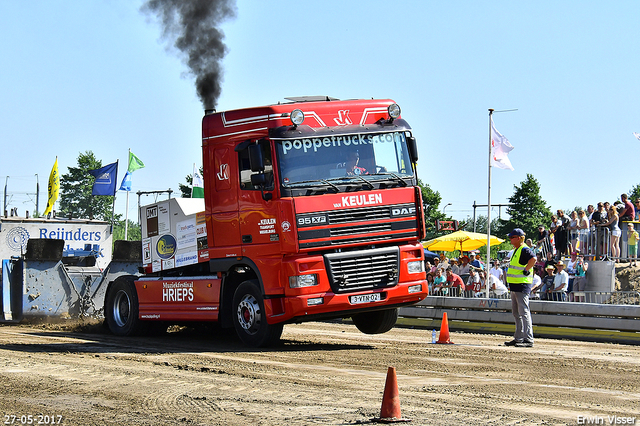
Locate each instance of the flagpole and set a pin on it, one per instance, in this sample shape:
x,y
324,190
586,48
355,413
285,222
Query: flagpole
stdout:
x,y
193,179
126,212
487,272
113,206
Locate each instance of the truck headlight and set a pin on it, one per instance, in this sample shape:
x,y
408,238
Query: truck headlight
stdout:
x,y
394,111
300,281
415,267
297,117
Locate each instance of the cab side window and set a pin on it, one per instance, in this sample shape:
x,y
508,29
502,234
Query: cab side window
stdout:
x,y
245,167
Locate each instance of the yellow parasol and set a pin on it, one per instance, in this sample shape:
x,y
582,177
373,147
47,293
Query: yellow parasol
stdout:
x,y
460,240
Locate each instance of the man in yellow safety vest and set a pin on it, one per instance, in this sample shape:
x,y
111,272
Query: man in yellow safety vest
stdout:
x,y
519,280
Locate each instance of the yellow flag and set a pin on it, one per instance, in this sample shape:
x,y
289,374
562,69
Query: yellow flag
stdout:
x,y
54,188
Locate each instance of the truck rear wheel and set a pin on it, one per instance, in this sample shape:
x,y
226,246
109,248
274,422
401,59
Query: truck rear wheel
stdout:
x,y
249,317
121,307
376,322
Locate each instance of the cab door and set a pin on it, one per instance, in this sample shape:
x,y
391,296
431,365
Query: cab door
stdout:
x,y
259,227
222,203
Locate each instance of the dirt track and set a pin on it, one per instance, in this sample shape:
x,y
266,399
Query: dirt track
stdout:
x,y
324,373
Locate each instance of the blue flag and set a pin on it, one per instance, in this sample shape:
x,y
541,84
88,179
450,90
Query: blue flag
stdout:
x,y
126,182
106,178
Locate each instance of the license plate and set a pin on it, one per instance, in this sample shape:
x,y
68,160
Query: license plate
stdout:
x,y
365,298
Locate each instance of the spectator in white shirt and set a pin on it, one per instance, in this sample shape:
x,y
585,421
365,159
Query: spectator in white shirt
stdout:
x,y
497,271
560,284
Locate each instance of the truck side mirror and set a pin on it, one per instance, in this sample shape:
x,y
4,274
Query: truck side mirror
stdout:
x,y
259,180
412,145
256,161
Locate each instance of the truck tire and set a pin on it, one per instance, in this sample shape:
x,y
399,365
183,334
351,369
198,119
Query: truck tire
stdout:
x,y
249,318
376,322
121,307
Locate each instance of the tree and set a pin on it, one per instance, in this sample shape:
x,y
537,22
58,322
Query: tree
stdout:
x,y
481,228
185,190
431,201
76,200
634,193
134,231
528,210
481,225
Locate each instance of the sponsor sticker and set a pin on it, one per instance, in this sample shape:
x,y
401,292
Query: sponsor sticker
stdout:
x,y
166,246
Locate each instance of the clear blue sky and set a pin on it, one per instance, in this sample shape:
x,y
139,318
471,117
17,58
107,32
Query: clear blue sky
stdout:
x,y
96,75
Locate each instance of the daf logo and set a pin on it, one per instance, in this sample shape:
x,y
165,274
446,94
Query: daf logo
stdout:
x,y
403,211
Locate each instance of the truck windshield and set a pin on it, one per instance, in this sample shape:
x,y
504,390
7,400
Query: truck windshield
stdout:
x,y
369,156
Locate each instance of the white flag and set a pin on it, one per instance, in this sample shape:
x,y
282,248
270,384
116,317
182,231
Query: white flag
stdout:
x,y
637,135
500,147
197,189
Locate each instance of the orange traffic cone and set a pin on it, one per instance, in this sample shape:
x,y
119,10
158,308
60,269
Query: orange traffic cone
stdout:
x,y
390,411
444,330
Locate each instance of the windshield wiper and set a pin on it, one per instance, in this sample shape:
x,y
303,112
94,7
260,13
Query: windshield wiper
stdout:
x,y
302,183
330,184
347,178
399,178
369,184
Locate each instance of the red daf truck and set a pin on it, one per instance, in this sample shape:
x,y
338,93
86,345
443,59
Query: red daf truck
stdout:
x,y
311,211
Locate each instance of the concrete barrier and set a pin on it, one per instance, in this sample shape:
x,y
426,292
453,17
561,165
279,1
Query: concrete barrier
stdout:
x,y
43,286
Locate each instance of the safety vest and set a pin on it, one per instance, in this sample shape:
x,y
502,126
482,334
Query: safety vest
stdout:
x,y
514,273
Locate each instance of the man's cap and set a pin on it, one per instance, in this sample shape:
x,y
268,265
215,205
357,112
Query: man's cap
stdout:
x,y
549,267
560,263
540,226
516,233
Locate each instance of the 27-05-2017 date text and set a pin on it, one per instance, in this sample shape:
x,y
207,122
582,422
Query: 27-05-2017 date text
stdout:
x,y
32,419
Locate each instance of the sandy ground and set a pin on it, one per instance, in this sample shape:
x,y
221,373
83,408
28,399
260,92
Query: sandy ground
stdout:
x,y
627,277
323,373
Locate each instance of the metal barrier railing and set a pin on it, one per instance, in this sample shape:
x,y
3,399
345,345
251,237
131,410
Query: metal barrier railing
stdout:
x,y
545,247
598,243
609,298
595,297
593,243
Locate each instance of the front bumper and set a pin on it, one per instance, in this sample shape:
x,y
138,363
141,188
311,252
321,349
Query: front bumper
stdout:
x,y
302,308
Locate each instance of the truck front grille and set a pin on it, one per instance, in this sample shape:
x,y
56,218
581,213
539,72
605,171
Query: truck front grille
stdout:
x,y
363,269
358,225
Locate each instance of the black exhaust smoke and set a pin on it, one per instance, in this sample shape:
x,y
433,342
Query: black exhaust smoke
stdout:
x,y
192,26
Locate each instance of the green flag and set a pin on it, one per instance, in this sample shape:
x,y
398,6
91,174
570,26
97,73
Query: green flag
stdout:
x,y
134,163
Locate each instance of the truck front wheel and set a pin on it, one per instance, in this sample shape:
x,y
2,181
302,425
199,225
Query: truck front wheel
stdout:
x,y
121,307
249,317
376,322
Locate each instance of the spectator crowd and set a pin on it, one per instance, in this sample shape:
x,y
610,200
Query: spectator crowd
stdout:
x,y
562,254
